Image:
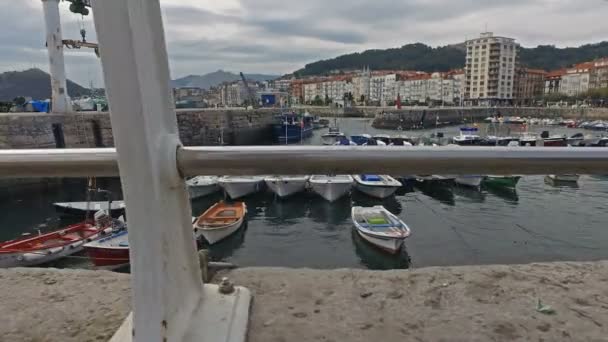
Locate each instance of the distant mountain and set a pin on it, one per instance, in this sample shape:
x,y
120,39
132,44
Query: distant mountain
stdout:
x,y
32,82
215,78
425,58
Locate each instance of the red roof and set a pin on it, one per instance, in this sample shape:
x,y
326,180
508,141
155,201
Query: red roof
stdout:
x,y
556,73
535,71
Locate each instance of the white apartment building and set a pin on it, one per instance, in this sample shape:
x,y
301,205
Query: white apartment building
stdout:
x,y
576,79
361,85
383,88
490,68
334,89
414,89
233,94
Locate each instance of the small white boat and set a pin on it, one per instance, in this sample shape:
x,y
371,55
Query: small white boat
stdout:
x,y
220,221
81,208
284,186
380,227
571,178
201,186
469,180
241,186
332,137
331,187
379,186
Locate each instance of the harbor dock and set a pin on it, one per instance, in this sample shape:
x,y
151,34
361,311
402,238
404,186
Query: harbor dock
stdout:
x,y
465,303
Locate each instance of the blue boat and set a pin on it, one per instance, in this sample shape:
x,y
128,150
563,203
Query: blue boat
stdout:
x,y
292,128
361,139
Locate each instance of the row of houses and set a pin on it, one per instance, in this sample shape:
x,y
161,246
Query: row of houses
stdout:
x,y
578,79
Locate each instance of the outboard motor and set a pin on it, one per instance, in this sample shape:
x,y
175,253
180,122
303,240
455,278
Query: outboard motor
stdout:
x,y
544,134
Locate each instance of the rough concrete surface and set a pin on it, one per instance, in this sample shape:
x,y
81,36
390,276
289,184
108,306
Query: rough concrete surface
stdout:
x,y
470,303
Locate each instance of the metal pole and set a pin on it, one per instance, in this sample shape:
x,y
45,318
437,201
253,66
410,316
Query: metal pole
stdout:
x,y
54,44
170,302
245,160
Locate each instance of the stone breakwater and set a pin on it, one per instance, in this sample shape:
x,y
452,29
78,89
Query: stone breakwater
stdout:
x,y
427,118
94,129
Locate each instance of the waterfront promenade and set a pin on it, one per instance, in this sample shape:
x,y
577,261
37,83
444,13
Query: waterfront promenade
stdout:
x,y
467,303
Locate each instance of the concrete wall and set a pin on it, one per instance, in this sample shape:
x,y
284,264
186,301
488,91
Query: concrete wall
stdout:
x,y
92,129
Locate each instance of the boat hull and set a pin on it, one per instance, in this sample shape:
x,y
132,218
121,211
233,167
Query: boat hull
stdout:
x,y
331,191
108,258
563,178
388,245
198,191
286,188
213,236
505,182
295,133
376,191
471,181
330,140
45,255
236,190
80,208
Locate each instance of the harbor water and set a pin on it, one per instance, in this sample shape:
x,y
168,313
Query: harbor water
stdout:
x,y
451,225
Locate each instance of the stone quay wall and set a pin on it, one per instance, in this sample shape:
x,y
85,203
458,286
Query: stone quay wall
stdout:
x,y
94,129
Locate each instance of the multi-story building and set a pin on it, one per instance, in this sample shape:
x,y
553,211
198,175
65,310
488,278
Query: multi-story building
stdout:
x,y
529,85
361,85
458,84
576,79
490,69
414,89
598,77
233,94
553,81
333,89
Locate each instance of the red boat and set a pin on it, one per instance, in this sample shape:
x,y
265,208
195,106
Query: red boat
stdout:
x,y
110,252
43,248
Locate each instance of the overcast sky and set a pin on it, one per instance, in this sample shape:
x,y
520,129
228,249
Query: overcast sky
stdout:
x,y
280,36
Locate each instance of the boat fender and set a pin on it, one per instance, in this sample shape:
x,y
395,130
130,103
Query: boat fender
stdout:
x,y
54,250
20,258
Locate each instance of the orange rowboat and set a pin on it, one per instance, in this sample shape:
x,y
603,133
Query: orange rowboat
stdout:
x,y
220,221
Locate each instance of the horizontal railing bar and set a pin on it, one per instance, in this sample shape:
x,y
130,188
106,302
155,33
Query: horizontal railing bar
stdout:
x,y
79,162
251,160
394,160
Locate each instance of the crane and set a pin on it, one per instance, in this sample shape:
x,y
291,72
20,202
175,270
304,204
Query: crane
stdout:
x,y
252,100
80,7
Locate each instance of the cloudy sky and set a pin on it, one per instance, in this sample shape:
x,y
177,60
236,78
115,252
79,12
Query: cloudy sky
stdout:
x,y
280,36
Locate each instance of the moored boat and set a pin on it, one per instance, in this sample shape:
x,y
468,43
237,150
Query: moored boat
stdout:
x,y
384,138
284,186
110,252
379,186
32,250
201,186
467,137
241,186
568,178
292,128
220,221
332,137
117,208
380,227
435,179
501,181
469,180
331,187
361,139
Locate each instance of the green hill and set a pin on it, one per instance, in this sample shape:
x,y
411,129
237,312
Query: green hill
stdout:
x,y
425,58
32,82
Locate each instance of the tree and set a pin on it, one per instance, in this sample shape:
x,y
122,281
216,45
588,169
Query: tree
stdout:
x,y
317,101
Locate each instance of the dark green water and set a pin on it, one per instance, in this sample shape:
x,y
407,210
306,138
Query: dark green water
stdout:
x,y
450,225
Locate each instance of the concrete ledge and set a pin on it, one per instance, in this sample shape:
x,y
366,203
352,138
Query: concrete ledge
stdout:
x,y
470,303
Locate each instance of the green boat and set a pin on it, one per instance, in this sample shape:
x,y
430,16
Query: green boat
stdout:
x,y
501,181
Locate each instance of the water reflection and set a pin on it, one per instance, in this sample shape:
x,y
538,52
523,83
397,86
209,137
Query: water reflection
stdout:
x,y
475,195
508,194
439,192
286,211
376,259
334,213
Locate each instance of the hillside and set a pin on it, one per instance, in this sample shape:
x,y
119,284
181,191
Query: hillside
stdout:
x,y
32,82
425,58
213,79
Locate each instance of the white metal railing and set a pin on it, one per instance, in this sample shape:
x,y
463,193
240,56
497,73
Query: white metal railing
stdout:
x,y
170,302
251,160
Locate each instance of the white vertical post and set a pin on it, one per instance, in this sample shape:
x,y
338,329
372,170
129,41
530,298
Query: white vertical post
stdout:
x,y
168,292
166,277
54,44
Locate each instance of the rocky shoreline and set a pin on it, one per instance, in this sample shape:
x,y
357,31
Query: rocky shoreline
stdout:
x,y
467,303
